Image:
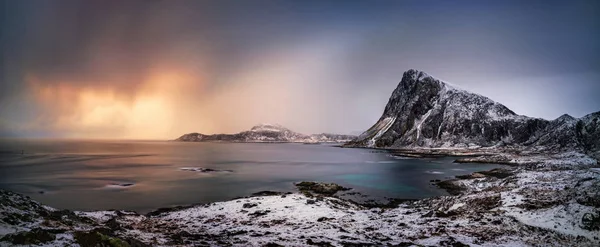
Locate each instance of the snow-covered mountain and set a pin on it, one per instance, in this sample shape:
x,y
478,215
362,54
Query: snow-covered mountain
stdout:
x,y
267,133
587,130
426,112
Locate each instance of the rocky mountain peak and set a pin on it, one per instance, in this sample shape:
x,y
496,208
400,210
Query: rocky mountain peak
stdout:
x,y
268,127
587,131
565,118
415,74
425,111
419,92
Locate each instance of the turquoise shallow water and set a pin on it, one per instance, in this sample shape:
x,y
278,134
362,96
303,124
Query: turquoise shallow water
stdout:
x,y
142,176
371,181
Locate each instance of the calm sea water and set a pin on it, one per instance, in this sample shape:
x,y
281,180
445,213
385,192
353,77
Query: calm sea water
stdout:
x,y
85,175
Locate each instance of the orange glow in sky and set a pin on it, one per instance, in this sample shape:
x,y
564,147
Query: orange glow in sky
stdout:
x,y
103,111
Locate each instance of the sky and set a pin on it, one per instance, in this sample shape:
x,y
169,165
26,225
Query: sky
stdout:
x,y
157,69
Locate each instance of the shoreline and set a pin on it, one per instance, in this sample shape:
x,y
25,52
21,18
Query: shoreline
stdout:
x,y
523,204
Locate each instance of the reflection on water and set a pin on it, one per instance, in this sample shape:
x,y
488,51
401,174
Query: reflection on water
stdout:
x,y
141,176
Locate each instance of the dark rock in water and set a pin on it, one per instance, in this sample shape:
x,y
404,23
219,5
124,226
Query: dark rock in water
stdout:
x,y
326,189
426,112
120,185
202,169
34,237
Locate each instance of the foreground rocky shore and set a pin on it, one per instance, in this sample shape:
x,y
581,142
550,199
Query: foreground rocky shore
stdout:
x,y
544,201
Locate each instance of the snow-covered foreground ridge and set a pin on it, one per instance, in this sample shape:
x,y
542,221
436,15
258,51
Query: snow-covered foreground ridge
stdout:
x,y
541,206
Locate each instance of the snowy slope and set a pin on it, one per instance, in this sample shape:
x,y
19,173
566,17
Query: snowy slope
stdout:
x,y
525,208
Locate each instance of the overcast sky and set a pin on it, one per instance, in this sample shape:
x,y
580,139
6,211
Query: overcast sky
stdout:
x,y
157,69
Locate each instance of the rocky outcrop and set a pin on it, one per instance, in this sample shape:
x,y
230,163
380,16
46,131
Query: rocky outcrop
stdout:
x,y
326,189
587,130
559,133
266,133
426,112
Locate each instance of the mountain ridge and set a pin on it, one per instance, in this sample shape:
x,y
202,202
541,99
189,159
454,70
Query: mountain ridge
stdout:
x,y
267,133
424,112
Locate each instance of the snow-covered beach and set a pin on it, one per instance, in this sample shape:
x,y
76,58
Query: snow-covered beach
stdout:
x,y
544,204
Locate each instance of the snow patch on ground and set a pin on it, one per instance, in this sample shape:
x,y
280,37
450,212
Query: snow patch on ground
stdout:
x,y
528,206
387,123
423,119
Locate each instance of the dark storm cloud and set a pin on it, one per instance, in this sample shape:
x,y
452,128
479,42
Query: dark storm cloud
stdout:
x,y
333,63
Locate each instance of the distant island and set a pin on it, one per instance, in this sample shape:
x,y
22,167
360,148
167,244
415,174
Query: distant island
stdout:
x,y
267,133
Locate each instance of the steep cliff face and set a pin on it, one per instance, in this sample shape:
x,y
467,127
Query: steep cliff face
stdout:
x,y
426,112
558,134
587,130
